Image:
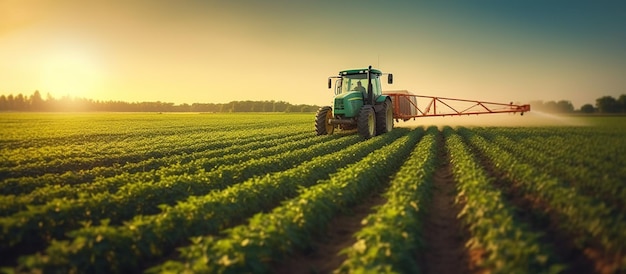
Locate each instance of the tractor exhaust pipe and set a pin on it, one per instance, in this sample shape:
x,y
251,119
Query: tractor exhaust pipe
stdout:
x,y
370,92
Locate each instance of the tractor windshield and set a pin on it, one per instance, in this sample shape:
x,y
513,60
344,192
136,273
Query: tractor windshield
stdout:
x,y
355,82
358,82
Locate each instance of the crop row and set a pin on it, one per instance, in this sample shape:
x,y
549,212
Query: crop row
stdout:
x,y
268,236
59,158
598,150
17,159
41,223
512,247
546,155
124,248
587,221
35,130
207,160
392,235
237,201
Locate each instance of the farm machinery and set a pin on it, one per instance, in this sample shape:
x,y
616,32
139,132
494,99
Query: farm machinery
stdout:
x,y
359,103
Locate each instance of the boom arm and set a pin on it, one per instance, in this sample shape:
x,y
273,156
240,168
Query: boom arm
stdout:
x,y
405,106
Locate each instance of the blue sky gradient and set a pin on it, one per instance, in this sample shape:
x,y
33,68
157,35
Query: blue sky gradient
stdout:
x,y
219,51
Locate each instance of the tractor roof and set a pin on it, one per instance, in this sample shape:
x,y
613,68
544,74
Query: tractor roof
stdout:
x,y
359,71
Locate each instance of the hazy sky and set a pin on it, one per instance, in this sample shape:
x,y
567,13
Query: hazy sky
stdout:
x,y
219,51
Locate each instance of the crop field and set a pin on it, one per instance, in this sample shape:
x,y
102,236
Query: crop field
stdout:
x,y
239,193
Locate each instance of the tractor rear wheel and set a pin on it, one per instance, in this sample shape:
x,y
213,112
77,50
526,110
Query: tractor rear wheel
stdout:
x,y
322,117
366,123
384,119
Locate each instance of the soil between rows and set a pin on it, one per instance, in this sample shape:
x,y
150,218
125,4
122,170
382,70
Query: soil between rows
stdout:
x,y
444,235
322,256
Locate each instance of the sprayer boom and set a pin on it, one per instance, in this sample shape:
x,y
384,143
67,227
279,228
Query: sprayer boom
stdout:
x,y
405,106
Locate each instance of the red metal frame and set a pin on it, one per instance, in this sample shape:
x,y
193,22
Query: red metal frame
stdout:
x,y
405,106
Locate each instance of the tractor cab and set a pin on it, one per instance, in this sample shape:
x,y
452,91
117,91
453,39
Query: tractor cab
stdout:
x,y
353,88
351,81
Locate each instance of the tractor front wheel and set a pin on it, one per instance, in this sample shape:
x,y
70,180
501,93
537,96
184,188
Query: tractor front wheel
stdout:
x,y
366,123
384,118
322,118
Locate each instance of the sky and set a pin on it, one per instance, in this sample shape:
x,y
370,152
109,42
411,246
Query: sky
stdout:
x,y
221,51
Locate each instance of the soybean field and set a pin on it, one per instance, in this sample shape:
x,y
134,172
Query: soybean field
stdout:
x,y
261,193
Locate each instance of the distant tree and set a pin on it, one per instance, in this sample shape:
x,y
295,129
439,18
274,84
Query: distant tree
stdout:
x,y
587,108
280,106
549,106
302,108
182,108
36,102
20,103
4,103
622,102
267,106
564,106
607,104
10,102
229,107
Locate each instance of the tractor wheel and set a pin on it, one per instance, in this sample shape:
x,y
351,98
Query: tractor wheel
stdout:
x,y
384,119
322,126
366,123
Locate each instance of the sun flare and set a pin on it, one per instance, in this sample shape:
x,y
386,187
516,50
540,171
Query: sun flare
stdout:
x,y
70,72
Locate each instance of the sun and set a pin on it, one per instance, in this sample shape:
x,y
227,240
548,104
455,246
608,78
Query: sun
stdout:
x,y
70,71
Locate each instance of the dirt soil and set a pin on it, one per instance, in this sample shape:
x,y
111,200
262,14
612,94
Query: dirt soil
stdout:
x,y
323,256
444,235
540,217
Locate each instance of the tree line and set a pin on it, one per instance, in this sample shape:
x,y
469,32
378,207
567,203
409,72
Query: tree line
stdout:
x,y
604,104
37,103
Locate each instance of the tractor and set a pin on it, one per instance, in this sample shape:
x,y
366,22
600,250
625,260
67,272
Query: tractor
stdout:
x,y
359,104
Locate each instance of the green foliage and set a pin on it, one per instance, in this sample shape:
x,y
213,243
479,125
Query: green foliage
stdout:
x,y
247,248
391,235
511,246
236,192
587,220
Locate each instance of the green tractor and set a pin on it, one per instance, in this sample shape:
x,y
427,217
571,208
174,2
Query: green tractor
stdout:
x,y
358,104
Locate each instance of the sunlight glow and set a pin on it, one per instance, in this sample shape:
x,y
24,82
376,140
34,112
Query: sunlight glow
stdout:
x,y
221,51
70,72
